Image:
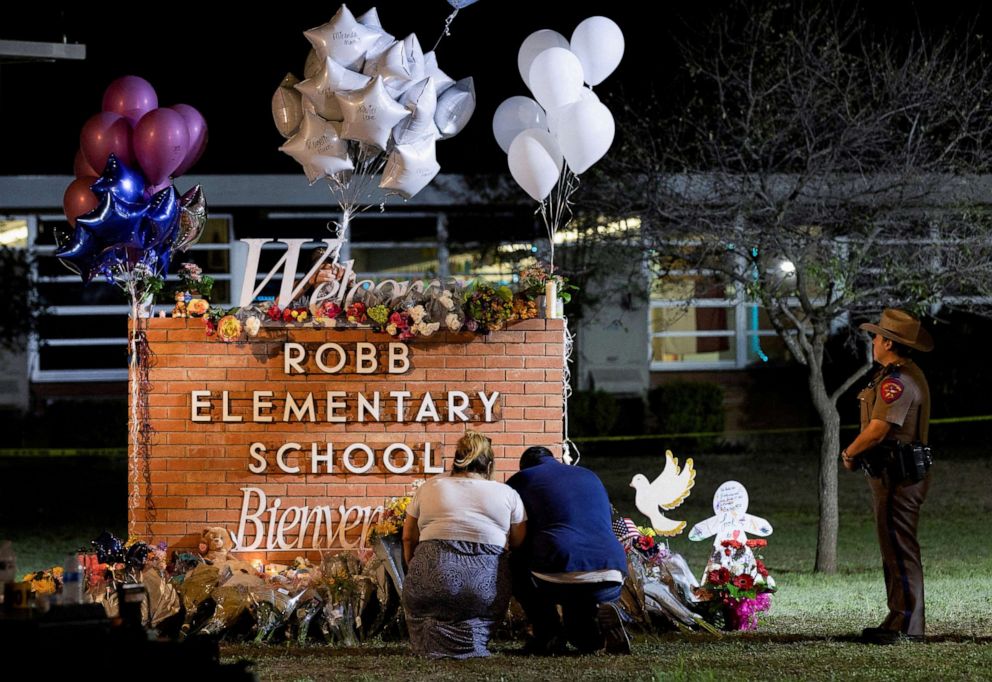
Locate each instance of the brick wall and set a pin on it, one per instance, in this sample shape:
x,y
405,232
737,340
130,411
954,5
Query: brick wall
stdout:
x,y
197,471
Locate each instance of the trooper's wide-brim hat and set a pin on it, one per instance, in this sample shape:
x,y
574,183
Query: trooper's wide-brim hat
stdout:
x,y
903,328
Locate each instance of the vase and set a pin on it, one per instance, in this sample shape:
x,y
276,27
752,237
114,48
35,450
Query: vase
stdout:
x,y
389,549
145,305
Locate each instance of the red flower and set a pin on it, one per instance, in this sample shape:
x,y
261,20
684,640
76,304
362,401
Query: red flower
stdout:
x,y
397,319
762,571
274,313
757,542
727,551
356,313
330,309
718,576
731,543
744,582
210,327
645,543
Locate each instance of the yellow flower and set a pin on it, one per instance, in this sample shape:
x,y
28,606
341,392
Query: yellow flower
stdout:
x,y
229,328
197,307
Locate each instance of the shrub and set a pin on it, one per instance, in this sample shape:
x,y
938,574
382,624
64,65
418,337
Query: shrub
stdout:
x,y
592,413
687,407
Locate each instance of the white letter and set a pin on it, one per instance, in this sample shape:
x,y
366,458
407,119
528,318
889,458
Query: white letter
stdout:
x,y
258,405
292,359
298,514
281,464
196,404
399,360
225,409
364,406
333,405
257,450
346,458
427,407
259,529
306,407
365,358
457,409
327,458
489,403
400,409
387,458
429,467
342,358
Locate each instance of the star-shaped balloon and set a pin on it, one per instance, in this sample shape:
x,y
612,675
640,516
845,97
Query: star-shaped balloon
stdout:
x,y
119,180
114,223
442,81
318,147
332,78
370,114
421,100
455,107
192,218
371,20
410,168
79,253
161,221
343,39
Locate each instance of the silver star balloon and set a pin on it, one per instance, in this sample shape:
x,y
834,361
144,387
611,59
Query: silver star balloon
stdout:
x,y
343,39
370,114
455,107
421,100
332,78
318,147
313,65
192,218
371,20
410,168
287,108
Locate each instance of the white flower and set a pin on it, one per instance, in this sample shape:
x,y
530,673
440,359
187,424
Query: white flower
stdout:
x,y
446,300
417,313
428,328
391,329
252,325
453,322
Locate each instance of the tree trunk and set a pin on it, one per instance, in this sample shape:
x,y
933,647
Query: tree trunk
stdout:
x,y
826,539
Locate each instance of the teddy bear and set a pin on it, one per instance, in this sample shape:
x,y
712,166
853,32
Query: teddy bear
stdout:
x,y
215,544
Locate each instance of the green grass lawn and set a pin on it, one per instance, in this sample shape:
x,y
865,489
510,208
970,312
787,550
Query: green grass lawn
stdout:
x,y
807,635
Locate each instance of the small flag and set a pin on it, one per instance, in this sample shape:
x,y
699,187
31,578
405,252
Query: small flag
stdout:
x,y
625,529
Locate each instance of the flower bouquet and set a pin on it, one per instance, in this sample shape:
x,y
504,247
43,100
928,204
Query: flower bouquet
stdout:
x,y
734,596
488,308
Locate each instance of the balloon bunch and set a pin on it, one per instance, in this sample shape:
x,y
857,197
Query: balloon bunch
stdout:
x,y
370,104
550,141
128,222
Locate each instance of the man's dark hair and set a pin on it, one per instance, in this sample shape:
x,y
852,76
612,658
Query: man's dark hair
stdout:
x,y
533,455
901,350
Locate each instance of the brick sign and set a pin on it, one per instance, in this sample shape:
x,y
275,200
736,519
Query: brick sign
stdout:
x,y
293,441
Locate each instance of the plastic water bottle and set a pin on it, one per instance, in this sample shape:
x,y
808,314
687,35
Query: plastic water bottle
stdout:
x,y
72,580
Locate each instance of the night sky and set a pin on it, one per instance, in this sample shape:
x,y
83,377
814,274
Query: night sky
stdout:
x,y
227,65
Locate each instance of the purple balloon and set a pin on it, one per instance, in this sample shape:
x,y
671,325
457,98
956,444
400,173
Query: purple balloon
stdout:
x,y
130,96
160,144
196,126
81,167
104,134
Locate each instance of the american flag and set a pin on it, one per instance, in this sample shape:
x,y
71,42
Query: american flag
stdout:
x,y
625,529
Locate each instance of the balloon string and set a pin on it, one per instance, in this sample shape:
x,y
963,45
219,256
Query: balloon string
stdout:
x,y
447,28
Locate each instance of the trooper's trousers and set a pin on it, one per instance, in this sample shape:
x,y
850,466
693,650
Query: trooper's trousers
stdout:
x,y
897,515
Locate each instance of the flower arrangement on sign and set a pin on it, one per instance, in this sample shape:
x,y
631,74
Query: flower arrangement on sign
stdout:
x,y
193,295
736,595
393,516
415,312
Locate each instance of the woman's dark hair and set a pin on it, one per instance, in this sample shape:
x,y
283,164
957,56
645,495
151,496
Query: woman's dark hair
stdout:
x,y
474,454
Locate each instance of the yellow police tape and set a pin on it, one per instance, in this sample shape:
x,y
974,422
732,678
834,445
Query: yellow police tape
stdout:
x,y
122,452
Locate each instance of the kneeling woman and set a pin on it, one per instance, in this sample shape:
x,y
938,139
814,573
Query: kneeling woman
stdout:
x,y
455,537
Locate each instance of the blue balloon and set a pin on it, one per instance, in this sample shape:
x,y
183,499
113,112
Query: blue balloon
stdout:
x,y
82,252
161,220
458,4
121,181
114,223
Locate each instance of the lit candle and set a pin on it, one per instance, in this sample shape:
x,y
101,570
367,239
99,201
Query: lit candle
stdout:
x,y
550,299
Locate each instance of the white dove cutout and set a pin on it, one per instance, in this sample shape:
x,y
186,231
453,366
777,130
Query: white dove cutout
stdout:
x,y
731,522
666,492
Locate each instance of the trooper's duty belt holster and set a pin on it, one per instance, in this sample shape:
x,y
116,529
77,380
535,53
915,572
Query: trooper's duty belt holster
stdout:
x,y
907,462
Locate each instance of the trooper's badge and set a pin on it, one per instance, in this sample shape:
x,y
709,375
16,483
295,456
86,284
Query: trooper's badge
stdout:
x,y
890,390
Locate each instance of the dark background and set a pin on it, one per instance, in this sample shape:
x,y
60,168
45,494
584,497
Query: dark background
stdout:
x,y
227,60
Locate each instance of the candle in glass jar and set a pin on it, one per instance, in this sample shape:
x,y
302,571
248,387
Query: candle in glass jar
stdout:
x,y
550,300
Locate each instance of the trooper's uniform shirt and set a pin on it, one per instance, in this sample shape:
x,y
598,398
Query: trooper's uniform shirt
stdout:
x,y
900,395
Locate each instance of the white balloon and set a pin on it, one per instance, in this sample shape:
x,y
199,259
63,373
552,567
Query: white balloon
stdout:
x,y
533,45
371,19
410,167
455,107
313,65
318,147
287,107
556,78
532,165
400,66
514,116
421,100
585,132
343,39
370,114
331,79
598,43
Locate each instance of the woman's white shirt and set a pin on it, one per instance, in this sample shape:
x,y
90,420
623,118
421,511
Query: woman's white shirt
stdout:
x,y
468,509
